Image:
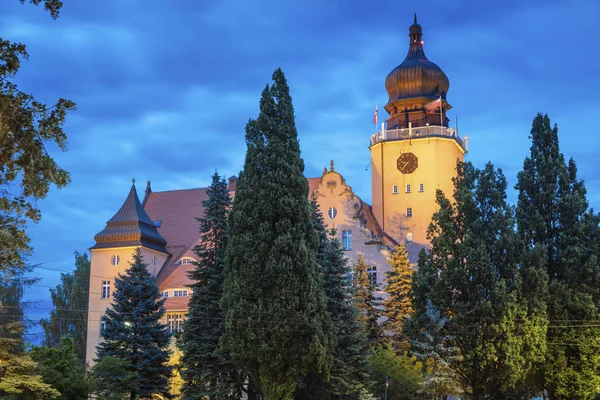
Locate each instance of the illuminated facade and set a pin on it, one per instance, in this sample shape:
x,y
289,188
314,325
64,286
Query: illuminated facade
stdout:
x,y
411,157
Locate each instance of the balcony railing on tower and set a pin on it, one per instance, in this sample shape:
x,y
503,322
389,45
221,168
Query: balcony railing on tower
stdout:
x,y
420,132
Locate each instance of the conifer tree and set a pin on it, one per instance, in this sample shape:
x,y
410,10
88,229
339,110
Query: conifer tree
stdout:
x,y
133,331
366,301
350,363
397,307
207,372
70,301
474,280
277,326
555,224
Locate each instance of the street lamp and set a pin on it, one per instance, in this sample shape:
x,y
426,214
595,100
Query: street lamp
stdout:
x,y
387,383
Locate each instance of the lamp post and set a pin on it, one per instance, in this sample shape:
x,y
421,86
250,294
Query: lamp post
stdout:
x,y
387,383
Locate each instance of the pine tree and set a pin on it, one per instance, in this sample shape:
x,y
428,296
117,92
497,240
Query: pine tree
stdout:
x,y
207,373
397,307
556,226
434,349
366,301
350,363
18,372
474,280
277,327
70,301
133,331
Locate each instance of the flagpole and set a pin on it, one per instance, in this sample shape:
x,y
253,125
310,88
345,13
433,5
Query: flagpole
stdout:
x,y
376,115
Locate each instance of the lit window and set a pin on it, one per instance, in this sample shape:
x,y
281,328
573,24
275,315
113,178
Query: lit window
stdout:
x,y
180,293
409,212
409,237
408,188
332,212
372,271
175,322
164,294
115,260
395,189
421,187
105,289
347,240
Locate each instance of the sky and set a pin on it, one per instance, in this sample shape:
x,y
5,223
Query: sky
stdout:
x,y
164,90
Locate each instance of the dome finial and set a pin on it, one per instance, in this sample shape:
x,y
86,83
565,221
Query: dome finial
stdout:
x,y
415,18
133,181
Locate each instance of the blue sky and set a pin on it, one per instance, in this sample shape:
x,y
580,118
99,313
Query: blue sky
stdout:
x,y
164,90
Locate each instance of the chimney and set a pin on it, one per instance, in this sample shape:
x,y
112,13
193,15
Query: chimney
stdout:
x,y
232,183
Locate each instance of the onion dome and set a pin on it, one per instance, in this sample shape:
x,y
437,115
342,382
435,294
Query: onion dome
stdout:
x,y
130,226
416,76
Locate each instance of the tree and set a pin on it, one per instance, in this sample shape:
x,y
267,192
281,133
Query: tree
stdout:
x,y
18,372
70,300
61,368
474,278
555,224
113,378
207,372
402,373
397,307
366,301
26,128
277,326
348,371
434,349
133,331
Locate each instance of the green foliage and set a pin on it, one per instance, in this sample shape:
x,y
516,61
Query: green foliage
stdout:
x,y
18,372
472,277
113,378
348,371
564,237
26,128
403,372
133,331
52,6
70,300
366,302
60,368
397,307
434,349
207,372
277,326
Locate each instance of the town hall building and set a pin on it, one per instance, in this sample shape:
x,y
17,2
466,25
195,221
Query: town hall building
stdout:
x,y
414,153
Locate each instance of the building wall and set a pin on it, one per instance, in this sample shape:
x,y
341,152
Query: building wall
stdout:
x,y
103,270
437,158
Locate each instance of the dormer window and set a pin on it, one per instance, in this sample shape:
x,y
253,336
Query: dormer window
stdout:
x,y
184,260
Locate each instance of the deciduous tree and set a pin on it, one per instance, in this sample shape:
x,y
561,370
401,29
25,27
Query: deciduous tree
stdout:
x,y
366,301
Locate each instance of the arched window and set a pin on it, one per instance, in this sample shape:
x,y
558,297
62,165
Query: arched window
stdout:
x,y
332,212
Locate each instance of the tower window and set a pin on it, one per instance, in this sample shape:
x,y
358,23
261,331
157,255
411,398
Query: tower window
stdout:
x,y
395,189
115,260
421,187
372,271
409,212
409,237
347,240
408,188
332,212
105,289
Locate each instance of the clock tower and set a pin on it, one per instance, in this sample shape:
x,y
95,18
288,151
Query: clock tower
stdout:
x,y
417,153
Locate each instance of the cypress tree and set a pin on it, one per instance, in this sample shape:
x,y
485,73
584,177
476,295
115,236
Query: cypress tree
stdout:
x,y
277,326
207,372
350,363
133,331
556,225
366,301
474,280
397,307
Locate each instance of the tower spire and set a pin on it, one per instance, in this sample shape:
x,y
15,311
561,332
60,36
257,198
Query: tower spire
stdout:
x,y
415,18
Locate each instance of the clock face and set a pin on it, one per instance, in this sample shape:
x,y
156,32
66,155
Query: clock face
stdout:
x,y
407,163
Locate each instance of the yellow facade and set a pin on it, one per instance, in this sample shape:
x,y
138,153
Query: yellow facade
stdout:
x,y
437,158
104,271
